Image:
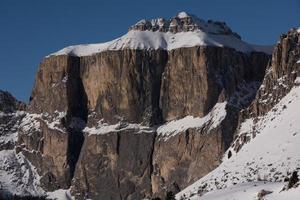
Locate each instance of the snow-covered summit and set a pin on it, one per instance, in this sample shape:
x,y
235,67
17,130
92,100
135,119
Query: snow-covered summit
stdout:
x,y
183,30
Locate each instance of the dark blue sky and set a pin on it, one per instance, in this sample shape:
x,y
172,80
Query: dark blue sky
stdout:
x,y
31,29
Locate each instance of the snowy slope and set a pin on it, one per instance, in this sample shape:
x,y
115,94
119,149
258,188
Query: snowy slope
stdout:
x,y
272,155
17,175
250,191
204,34
60,194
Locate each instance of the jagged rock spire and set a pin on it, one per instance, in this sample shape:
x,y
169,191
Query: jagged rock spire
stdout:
x,y
183,22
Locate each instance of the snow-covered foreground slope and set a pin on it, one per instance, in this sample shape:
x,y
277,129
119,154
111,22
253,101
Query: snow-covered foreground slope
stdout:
x,y
272,155
17,175
250,191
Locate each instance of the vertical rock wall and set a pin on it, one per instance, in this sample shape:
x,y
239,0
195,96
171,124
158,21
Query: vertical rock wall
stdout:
x,y
132,86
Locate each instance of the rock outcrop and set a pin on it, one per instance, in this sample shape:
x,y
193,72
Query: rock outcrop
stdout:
x,y
281,73
92,120
51,136
9,104
183,22
280,78
10,119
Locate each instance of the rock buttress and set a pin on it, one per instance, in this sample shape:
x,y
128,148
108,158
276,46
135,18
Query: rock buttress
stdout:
x,y
50,135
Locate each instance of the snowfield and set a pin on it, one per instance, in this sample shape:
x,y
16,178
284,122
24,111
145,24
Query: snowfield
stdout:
x,y
272,153
60,195
250,191
160,40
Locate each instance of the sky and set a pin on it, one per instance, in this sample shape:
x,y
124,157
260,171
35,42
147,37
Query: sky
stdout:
x,y
32,29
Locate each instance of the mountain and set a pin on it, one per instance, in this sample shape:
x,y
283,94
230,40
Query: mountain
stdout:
x,y
150,113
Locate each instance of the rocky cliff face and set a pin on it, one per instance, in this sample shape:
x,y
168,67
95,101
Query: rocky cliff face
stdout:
x,y
195,79
124,85
116,165
103,123
281,73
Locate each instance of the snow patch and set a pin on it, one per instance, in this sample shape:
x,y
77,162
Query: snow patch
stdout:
x,y
104,128
215,117
182,15
60,194
297,80
32,122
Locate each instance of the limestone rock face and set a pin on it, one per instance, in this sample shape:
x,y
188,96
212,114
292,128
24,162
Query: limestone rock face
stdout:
x,y
58,88
195,155
181,159
117,165
195,79
124,85
50,134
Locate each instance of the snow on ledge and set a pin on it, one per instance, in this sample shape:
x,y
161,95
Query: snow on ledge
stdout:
x,y
216,116
150,40
103,128
249,191
60,194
